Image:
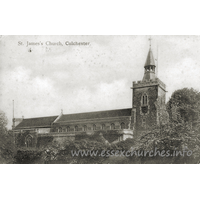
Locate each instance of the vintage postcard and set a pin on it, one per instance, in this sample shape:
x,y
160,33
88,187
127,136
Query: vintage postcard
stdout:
x,y
100,99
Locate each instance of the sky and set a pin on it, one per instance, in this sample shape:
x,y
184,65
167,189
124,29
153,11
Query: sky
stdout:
x,y
90,77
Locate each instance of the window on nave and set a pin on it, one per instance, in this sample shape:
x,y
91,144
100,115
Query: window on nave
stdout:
x,y
112,126
122,125
84,128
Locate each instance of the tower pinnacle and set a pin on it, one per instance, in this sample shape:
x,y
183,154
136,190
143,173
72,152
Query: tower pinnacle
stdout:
x,y
150,59
149,72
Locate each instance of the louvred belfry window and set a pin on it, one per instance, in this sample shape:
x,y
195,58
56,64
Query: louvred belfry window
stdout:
x,y
144,100
144,103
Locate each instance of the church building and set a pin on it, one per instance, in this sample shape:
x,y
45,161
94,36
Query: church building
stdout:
x,y
147,111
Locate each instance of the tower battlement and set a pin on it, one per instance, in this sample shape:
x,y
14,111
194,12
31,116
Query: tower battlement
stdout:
x,y
150,82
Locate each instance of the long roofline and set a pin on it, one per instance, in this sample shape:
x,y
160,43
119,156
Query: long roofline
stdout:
x,y
41,117
95,114
38,122
58,116
97,111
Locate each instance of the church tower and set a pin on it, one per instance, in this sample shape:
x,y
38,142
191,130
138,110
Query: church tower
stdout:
x,y
148,102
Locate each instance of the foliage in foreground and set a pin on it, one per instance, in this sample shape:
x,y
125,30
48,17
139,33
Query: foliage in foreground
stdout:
x,y
173,138
182,133
7,149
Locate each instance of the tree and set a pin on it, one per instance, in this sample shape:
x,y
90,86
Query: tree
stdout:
x,y
57,153
3,123
181,133
6,141
184,105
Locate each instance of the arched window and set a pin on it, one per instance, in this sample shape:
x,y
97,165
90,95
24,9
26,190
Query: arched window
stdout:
x,y
85,128
76,128
144,100
68,129
94,127
29,141
103,126
63,129
60,130
112,126
122,125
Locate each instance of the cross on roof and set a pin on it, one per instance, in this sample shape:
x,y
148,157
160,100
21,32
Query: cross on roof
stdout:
x,y
150,42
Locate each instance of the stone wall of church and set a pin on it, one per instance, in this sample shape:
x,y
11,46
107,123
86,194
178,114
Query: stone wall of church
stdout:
x,y
26,139
162,114
94,125
112,129
147,118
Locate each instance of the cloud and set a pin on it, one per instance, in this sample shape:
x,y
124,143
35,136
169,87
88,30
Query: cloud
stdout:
x,y
32,95
185,73
82,79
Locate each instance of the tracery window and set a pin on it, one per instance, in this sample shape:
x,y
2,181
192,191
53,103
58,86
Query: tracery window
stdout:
x,y
29,141
144,100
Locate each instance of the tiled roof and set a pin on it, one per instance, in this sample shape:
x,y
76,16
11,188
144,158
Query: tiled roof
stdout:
x,y
95,115
36,122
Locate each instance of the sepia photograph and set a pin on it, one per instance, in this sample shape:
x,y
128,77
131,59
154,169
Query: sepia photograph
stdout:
x,y
100,99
